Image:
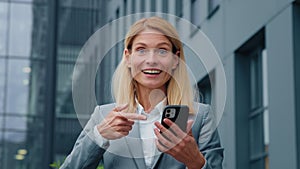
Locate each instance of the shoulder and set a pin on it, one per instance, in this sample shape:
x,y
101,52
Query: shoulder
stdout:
x,y
202,112
201,108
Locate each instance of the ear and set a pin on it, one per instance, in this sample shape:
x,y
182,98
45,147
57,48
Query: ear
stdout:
x,y
127,58
176,58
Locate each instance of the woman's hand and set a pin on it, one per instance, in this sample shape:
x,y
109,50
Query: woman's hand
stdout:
x,y
182,146
117,124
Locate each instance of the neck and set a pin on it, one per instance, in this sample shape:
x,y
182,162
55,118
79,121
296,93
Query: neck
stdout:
x,y
149,98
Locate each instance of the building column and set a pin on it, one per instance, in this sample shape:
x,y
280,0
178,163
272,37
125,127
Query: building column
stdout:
x,y
282,102
296,32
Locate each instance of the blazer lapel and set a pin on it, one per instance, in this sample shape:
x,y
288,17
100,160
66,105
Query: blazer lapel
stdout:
x,y
135,146
156,159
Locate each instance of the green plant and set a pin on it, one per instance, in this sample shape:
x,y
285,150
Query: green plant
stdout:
x,y
100,167
55,164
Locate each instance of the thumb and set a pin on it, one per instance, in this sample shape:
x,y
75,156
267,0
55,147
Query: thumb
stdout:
x,y
120,107
189,127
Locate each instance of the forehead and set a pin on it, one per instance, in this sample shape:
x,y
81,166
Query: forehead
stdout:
x,y
151,37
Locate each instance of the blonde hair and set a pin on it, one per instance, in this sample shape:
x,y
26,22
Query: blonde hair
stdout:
x,y
179,89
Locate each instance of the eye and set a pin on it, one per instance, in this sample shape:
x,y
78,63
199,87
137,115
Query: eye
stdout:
x,y
141,51
162,52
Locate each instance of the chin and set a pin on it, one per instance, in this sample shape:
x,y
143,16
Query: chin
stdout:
x,y
153,86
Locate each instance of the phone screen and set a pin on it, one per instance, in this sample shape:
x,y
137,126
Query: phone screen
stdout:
x,y
176,113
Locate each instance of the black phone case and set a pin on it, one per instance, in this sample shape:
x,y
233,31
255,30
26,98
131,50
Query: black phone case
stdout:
x,y
180,117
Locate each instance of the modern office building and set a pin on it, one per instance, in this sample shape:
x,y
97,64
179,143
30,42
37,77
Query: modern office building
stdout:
x,y
258,43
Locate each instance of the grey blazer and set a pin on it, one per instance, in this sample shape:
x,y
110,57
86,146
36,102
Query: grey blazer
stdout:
x,y
125,153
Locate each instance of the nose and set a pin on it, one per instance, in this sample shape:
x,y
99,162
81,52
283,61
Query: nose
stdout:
x,y
151,58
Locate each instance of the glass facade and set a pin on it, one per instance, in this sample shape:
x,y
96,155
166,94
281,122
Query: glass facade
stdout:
x,y
76,22
22,72
3,29
2,87
24,68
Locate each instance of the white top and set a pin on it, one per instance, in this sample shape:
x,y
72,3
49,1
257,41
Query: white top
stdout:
x,y
147,131
146,128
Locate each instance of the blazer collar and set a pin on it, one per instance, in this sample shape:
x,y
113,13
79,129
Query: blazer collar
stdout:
x,y
135,148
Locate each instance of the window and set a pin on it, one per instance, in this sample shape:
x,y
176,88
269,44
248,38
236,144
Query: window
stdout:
x,y
195,12
124,14
178,8
252,116
153,6
204,87
133,6
75,24
20,28
118,46
2,85
213,6
3,29
125,8
23,81
165,6
258,114
143,7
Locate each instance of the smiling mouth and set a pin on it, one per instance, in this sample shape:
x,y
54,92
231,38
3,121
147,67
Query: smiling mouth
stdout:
x,y
152,71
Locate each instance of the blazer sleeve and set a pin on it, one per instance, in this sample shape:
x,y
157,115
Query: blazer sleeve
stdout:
x,y
209,141
85,153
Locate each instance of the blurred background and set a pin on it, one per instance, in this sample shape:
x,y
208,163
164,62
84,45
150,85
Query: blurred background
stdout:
x,y
258,42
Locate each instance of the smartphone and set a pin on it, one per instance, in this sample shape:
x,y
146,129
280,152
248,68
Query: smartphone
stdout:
x,y
178,114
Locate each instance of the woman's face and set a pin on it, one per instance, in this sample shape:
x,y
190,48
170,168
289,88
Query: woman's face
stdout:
x,y
151,60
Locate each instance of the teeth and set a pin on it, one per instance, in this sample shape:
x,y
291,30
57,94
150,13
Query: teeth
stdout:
x,y
152,71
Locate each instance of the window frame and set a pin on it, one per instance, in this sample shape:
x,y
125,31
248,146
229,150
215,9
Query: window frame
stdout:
x,y
213,6
250,104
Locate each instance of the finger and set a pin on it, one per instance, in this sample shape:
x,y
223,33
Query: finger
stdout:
x,y
123,128
165,142
120,134
122,121
160,147
174,127
166,133
133,116
120,107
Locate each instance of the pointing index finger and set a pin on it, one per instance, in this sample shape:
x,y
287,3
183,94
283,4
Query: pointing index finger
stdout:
x,y
133,116
120,107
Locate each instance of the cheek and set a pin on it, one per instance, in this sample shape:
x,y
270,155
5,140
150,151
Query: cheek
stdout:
x,y
135,67
168,67
136,61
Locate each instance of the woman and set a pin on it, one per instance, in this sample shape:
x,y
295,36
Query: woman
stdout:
x,y
128,133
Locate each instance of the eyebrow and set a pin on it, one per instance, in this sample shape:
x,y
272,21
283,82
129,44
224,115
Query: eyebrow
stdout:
x,y
159,44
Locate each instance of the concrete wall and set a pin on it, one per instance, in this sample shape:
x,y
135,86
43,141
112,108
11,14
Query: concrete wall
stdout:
x,y
279,33
235,22
231,26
